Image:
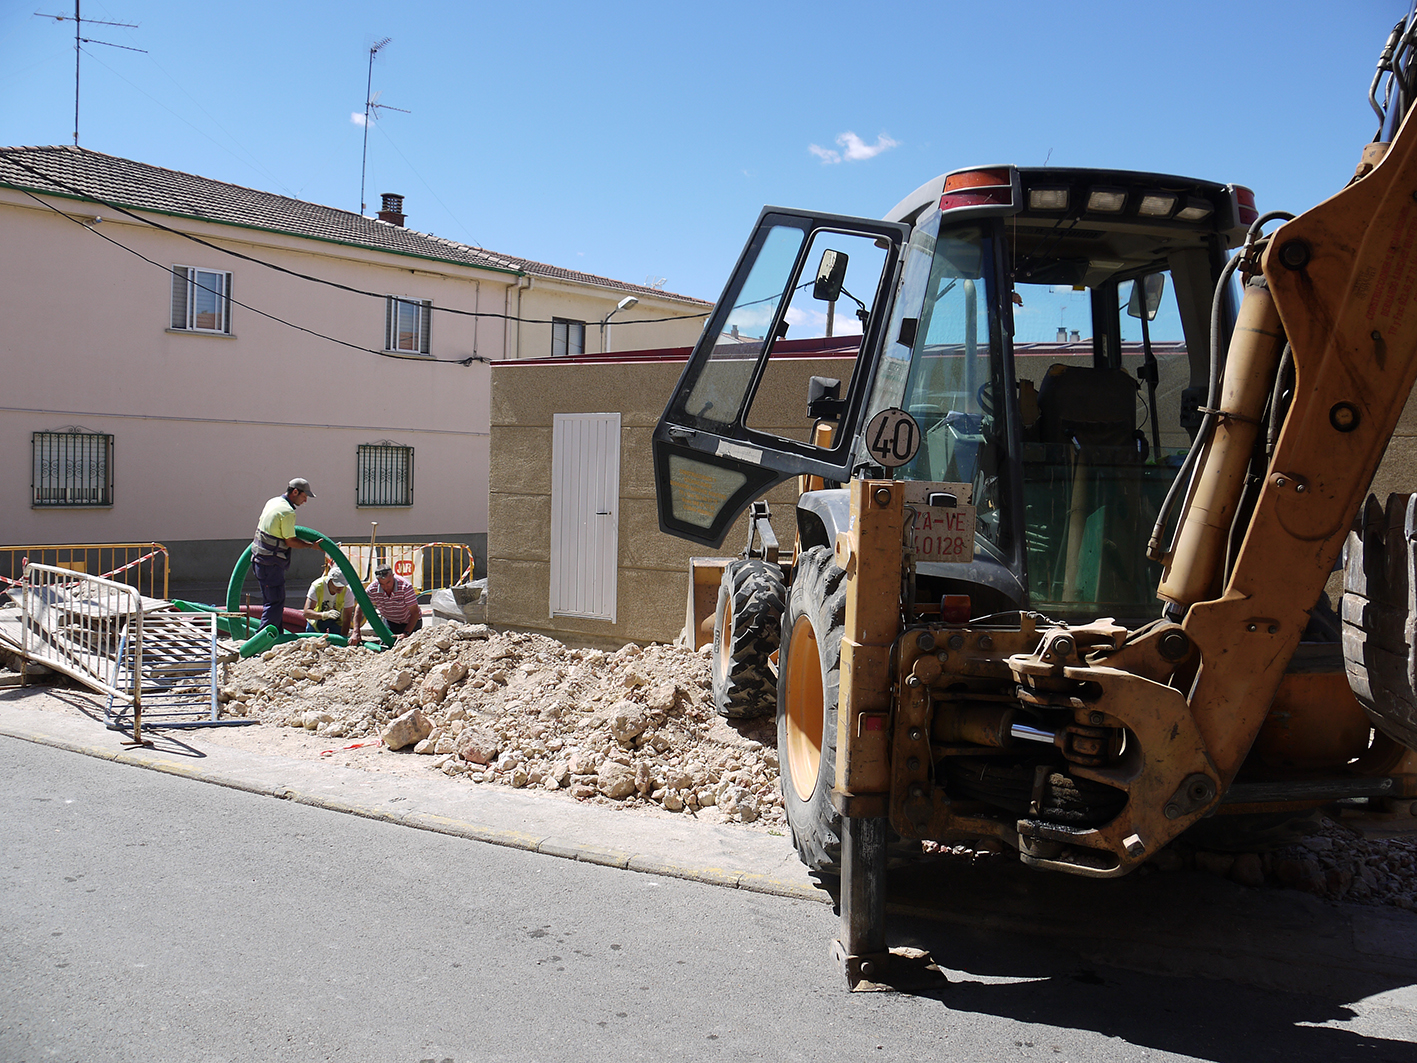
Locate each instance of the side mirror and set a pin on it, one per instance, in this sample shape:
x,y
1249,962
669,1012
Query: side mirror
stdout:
x,y
823,398
831,275
1153,284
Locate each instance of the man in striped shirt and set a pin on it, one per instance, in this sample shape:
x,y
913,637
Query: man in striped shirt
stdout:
x,y
396,601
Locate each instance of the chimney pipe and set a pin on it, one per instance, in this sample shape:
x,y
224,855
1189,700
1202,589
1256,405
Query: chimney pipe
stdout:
x,y
391,210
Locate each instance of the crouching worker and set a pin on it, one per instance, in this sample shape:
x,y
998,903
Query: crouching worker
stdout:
x,y
329,606
396,601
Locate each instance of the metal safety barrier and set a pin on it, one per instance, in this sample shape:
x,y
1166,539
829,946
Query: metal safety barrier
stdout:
x,y
141,565
428,566
82,626
172,660
152,661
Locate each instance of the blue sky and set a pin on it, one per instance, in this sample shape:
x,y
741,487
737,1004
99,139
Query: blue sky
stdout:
x,y
639,141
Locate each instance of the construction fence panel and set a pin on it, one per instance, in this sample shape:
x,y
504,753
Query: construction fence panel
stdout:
x,y
81,625
141,565
176,668
428,566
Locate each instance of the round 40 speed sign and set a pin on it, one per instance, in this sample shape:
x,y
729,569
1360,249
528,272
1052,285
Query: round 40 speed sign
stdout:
x,y
892,437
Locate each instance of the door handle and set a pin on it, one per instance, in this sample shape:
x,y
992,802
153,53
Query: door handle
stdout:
x,y
602,513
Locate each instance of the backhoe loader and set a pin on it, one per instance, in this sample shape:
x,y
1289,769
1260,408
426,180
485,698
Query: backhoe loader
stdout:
x,y
1066,589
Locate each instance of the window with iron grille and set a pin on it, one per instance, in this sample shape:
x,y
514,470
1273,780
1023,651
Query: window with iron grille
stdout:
x,y
385,474
406,324
567,337
71,467
201,300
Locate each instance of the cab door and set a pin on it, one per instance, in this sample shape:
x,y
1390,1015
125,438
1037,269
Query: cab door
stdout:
x,y
805,284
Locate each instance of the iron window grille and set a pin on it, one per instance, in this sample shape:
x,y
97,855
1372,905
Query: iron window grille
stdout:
x,y
201,300
71,467
567,337
385,476
407,323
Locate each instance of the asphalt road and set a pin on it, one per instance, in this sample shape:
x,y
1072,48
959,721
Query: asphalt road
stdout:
x,y
149,917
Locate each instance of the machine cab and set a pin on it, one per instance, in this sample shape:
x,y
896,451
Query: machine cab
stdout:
x,y
1048,333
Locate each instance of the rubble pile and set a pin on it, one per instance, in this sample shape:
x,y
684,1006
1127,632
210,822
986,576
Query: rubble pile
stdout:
x,y
633,728
1339,864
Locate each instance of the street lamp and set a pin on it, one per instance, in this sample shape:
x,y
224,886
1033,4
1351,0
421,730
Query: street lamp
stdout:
x,y
623,304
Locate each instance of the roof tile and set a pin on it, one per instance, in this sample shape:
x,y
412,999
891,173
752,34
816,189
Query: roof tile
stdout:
x,y
82,173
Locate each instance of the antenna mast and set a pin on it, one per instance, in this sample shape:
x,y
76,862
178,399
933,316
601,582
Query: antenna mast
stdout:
x,y
371,108
80,39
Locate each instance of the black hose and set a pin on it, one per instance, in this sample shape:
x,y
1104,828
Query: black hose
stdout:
x,y
1208,418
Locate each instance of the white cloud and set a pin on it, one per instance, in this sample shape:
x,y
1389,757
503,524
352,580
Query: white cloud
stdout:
x,y
356,117
853,148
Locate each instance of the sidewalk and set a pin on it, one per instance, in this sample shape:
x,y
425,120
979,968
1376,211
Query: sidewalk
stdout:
x,y
677,846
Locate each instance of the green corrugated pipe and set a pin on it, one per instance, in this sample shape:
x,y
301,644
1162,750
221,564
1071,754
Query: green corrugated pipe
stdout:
x,y
335,554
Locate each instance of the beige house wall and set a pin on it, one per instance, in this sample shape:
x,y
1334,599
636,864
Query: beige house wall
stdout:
x,y
656,322
653,568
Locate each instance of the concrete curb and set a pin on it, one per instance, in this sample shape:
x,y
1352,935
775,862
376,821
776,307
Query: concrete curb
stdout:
x,y
567,849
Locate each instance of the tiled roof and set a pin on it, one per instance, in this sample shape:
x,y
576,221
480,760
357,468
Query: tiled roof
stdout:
x,y
80,173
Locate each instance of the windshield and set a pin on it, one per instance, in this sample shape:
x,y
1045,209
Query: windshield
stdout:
x,y
945,368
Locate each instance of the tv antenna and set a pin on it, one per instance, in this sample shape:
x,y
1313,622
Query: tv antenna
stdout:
x,y
657,283
372,107
79,38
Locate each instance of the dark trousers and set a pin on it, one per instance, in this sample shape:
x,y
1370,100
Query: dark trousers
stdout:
x,y
408,627
328,627
272,581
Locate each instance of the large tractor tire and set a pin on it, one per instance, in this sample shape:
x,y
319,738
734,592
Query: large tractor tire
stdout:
x,y
1379,607
746,631
809,677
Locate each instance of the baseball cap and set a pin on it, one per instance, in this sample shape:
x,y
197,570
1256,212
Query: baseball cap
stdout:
x,y
337,579
301,484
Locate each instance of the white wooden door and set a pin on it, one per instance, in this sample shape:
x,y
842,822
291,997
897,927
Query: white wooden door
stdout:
x,y
585,503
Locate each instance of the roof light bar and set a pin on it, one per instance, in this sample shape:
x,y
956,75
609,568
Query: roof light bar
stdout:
x,y
1196,209
1157,205
1047,199
1106,200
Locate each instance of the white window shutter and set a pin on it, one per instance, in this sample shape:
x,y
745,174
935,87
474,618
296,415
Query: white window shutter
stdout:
x,y
179,297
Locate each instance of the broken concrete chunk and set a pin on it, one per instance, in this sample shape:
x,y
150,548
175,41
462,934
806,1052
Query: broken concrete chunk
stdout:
x,y
477,746
615,780
627,721
435,687
407,730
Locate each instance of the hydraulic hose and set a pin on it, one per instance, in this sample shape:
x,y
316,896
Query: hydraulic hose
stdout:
x,y
1154,549
335,554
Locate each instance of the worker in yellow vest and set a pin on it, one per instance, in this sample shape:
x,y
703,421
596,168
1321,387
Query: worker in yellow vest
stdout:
x,y
270,548
329,606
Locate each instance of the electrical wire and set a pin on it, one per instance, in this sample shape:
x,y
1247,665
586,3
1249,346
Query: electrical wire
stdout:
x,y
81,194
247,306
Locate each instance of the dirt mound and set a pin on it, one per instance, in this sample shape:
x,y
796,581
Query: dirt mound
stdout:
x,y
631,728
